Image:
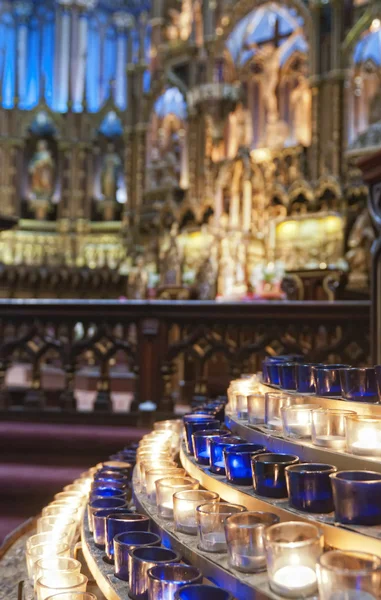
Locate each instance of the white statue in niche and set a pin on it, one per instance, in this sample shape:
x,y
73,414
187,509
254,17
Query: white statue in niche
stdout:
x,y
240,130
300,100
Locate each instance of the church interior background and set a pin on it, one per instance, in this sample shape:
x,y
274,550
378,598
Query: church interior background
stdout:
x,y
187,149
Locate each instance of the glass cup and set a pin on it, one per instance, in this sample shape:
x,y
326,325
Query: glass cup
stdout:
x,y
49,567
256,408
74,498
297,420
122,523
269,477
309,487
201,444
356,497
364,435
100,503
106,492
238,462
153,475
120,484
46,538
359,385
175,425
244,536
210,524
202,592
73,596
34,553
61,510
292,551
185,504
141,560
49,585
148,465
58,526
274,401
99,523
165,580
166,487
349,576
328,428
199,424
217,445
124,542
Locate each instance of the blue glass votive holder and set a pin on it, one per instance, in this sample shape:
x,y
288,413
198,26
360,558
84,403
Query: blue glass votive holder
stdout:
x,y
100,503
269,477
309,487
106,492
109,475
327,379
357,497
272,370
287,376
124,542
99,522
305,383
198,425
202,592
201,444
119,466
165,580
217,445
121,523
238,462
141,560
117,484
359,385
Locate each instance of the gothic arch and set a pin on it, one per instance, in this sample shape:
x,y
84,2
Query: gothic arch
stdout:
x,y
242,8
167,77
29,116
354,34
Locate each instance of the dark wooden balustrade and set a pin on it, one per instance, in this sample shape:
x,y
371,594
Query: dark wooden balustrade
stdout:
x,y
172,351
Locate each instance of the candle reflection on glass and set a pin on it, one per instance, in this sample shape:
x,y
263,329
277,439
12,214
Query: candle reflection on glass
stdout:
x,y
297,420
329,428
184,508
166,488
348,576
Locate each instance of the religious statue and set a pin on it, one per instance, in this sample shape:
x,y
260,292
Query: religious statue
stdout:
x,y
300,100
206,278
111,169
240,130
41,170
226,272
180,28
171,261
358,256
138,280
269,56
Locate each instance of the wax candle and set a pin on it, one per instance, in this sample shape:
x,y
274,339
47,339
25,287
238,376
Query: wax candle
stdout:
x,y
364,436
295,581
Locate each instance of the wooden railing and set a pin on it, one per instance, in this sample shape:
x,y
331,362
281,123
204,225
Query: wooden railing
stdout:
x,y
171,350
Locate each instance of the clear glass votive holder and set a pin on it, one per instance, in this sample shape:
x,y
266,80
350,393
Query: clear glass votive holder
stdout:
x,y
359,385
149,465
73,596
34,553
198,425
185,504
100,503
56,527
297,420
49,567
274,401
153,475
201,444
202,591
328,428
165,580
122,523
62,510
99,524
74,498
364,435
166,487
348,576
175,425
46,538
210,524
48,585
292,551
124,542
141,560
217,446
256,408
244,537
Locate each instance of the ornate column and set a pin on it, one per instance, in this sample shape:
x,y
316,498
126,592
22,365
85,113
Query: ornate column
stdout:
x,y
79,50
315,84
337,79
157,22
23,11
123,22
371,169
140,160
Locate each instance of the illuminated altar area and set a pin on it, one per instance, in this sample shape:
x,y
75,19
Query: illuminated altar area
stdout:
x,y
184,149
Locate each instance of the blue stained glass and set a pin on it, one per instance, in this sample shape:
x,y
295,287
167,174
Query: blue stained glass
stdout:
x,y
171,102
109,62
111,125
48,58
93,68
369,48
32,67
9,65
259,26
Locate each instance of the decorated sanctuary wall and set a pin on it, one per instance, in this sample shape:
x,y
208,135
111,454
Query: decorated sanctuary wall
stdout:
x,y
199,148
